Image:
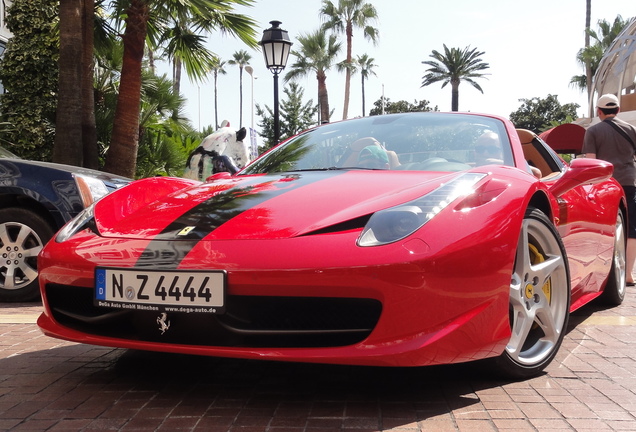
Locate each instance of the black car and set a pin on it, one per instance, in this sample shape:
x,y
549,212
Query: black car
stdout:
x,y
37,199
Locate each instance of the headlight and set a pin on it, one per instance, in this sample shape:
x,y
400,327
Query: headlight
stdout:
x,y
83,220
396,223
90,188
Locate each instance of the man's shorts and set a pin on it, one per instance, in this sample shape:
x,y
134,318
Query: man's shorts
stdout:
x,y
630,194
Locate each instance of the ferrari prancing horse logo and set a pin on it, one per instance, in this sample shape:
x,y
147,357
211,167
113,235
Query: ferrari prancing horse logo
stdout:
x,y
164,322
185,231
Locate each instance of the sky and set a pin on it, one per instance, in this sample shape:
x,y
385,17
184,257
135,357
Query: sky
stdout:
x,y
530,47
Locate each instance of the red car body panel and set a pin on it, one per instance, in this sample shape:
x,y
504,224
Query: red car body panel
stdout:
x,y
443,290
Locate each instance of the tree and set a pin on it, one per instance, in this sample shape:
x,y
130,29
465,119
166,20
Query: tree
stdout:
x,y
29,74
317,54
400,107
365,64
343,18
591,55
296,115
185,48
161,133
538,114
108,66
122,154
217,68
589,74
76,134
136,16
165,140
68,136
455,66
90,153
241,58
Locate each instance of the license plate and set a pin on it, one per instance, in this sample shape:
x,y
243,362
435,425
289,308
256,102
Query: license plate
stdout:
x,y
159,290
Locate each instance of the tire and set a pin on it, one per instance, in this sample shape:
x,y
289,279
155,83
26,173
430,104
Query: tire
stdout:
x,y
614,291
23,234
539,299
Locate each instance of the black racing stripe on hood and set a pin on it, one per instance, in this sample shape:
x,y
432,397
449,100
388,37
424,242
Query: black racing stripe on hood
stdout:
x,y
165,254
170,246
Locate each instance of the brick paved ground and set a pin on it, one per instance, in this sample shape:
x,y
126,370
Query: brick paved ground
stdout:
x,y
50,385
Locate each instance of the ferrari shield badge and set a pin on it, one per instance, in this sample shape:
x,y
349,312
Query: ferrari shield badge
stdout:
x,y
164,322
185,231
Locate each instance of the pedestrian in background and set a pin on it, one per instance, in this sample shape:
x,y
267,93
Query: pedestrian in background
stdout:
x,y
614,140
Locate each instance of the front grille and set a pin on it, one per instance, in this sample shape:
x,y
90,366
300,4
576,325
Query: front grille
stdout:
x,y
249,321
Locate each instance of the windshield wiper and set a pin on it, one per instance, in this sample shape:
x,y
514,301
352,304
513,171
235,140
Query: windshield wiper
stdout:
x,y
320,169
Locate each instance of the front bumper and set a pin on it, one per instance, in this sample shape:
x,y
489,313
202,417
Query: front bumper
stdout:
x,y
315,299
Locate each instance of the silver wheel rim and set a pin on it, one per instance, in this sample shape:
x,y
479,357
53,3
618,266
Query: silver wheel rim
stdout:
x,y
619,257
538,295
19,248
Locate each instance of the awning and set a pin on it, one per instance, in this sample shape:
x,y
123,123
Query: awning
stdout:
x,y
565,138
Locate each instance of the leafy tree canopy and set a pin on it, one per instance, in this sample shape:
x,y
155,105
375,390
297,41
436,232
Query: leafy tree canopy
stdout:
x,y
538,114
295,116
401,107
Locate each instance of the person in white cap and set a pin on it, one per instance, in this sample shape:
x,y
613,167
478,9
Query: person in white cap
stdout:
x,y
614,140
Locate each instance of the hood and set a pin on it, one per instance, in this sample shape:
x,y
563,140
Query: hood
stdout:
x,y
102,175
262,206
38,170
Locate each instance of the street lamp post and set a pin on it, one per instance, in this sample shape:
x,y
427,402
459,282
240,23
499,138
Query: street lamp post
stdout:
x,y
253,150
250,70
276,46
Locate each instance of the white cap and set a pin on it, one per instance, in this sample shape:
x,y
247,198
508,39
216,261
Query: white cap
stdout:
x,y
607,101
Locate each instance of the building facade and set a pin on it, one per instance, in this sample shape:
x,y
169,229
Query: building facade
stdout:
x,y
5,34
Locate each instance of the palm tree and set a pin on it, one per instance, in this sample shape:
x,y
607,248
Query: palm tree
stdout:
x,y
90,150
343,18
68,139
365,64
208,14
184,47
83,31
163,137
317,54
591,55
241,58
76,135
217,68
588,65
455,66
160,129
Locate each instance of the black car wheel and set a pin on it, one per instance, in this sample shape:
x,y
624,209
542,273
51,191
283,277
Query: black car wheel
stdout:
x,y
23,234
614,292
539,299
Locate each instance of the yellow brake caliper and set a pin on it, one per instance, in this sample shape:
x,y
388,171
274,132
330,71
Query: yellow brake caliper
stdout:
x,y
536,258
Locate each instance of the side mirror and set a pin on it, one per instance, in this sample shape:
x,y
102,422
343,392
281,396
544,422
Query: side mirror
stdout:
x,y
218,176
582,171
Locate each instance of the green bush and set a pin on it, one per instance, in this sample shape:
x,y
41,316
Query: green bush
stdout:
x,y
29,74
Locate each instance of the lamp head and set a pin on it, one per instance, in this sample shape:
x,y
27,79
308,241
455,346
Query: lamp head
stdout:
x,y
276,46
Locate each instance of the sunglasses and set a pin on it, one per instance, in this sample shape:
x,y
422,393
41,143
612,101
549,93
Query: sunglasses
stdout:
x,y
487,149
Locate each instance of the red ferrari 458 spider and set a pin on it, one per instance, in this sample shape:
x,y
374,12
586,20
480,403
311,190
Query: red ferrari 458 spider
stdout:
x,y
397,240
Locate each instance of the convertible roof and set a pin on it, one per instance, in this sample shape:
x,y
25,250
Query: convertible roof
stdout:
x,y
565,138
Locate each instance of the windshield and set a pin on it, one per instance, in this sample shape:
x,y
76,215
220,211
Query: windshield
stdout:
x,y
412,142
